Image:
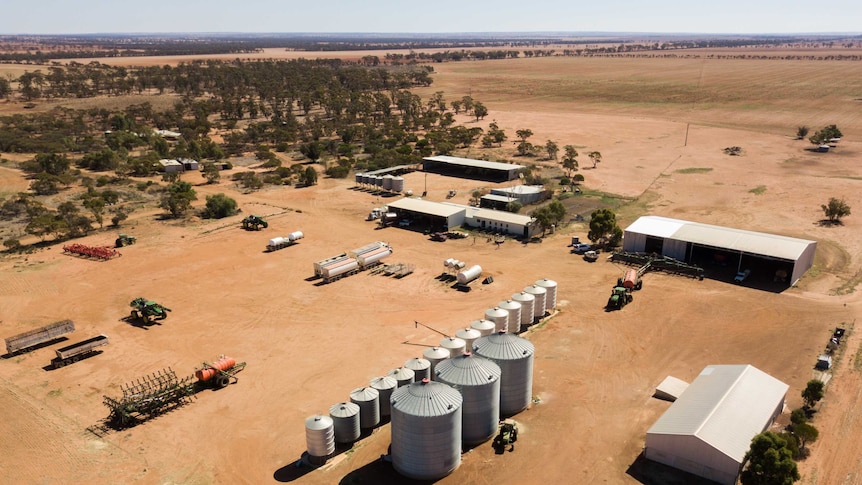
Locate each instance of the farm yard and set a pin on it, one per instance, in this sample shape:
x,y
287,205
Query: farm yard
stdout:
x,y
660,124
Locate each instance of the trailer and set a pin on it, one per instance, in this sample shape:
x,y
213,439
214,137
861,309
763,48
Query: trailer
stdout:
x,y
31,338
277,243
220,373
81,350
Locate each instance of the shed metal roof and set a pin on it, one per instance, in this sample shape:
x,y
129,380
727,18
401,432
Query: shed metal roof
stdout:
x,y
498,216
725,407
499,198
760,243
519,189
469,162
426,207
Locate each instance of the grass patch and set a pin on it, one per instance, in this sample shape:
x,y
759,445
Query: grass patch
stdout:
x,y
759,190
55,392
694,170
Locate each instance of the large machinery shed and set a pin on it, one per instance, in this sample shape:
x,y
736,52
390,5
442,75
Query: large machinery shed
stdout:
x,y
704,244
472,169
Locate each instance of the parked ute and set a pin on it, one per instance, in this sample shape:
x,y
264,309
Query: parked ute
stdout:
x,y
580,248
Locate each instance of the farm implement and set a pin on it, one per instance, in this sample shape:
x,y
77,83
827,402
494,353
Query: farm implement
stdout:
x,y
103,253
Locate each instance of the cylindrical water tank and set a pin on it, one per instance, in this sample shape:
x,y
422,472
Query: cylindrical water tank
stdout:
x,y
528,304
435,355
460,265
345,417
293,236
402,375
421,368
469,274
320,438
398,184
368,400
468,335
514,308
500,318
448,262
550,287
514,355
384,385
454,345
485,327
277,241
426,430
478,381
539,294
387,182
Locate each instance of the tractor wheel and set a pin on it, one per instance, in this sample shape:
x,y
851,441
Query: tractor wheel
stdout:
x,y
222,381
58,364
76,358
639,285
135,314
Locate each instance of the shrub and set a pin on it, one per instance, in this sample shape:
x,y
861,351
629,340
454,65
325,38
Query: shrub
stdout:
x,y
219,206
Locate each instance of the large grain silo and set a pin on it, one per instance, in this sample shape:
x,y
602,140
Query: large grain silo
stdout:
x,y
320,438
514,309
421,368
426,430
528,304
387,182
485,327
514,355
478,381
468,335
384,385
500,318
539,294
435,355
345,418
368,400
402,375
398,184
550,287
454,345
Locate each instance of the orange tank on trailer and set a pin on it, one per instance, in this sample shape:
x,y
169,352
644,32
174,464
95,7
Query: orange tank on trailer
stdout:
x,y
223,364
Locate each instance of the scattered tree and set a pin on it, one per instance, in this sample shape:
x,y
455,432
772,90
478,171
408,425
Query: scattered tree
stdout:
x,y
308,177
824,135
733,151
835,210
813,392
219,206
479,110
806,434
798,416
801,132
604,228
549,215
178,198
595,157
552,148
312,150
570,160
211,173
524,134
770,462
96,206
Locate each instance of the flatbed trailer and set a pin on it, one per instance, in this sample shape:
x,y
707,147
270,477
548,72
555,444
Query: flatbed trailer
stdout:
x,y
77,351
31,338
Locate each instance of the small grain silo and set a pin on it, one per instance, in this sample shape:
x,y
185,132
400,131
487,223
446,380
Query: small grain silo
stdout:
x,y
454,345
550,287
320,438
387,182
514,309
528,304
426,430
485,327
402,375
345,418
368,400
398,184
358,179
468,335
478,381
514,355
435,355
384,385
539,294
421,368
378,181
500,318
366,179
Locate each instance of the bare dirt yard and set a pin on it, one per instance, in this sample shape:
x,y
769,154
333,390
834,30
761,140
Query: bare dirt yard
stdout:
x,y
307,345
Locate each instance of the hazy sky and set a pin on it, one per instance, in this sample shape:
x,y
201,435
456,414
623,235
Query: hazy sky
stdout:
x,y
429,16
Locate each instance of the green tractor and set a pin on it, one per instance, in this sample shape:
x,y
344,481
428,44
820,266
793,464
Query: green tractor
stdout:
x,y
620,296
254,223
125,240
507,436
148,310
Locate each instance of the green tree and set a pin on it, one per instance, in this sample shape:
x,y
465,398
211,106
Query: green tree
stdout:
x,y
524,134
308,177
5,88
798,416
806,434
835,210
550,215
211,173
604,228
513,206
801,132
570,160
52,163
219,206
552,148
312,150
178,198
813,392
596,157
45,184
770,462
96,206
479,110
119,215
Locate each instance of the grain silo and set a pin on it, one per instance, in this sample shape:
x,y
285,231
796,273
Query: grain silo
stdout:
x,y
320,438
387,182
485,327
368,400
500,318
402,375
514,309
358,179
454,345
421,368
366,179
514,355
378,181
398,184
435,355
550,287
384,385
468,335
478,381
528,304
345,418
539,294
426,430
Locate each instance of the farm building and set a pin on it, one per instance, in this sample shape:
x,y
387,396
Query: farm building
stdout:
x,y
771,258
430,214
169,166
525,194
708,430
168,135
189,164
472,169
501,221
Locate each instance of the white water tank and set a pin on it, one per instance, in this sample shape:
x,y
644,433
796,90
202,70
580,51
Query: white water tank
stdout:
x,y
426,430
514,308
469,274
435,355
402,375
277,241
478,381
500,318
293,236
320,438
528,304
368,400
468,335
421,368
398,184
340,268
448,262
454,345
514,355
550,287
384,385
539,294
485,327
345,417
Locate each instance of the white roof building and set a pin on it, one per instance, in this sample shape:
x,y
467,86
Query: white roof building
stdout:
x,y
708,430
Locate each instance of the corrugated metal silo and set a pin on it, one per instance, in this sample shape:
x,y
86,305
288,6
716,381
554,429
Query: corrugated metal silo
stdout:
x,y
368,400
514,309
387,182
485,327
468,335
435,355
398,184
454,345
550,287
426,430
402,375
528,303
345,417
384,385
421,368
478,381
539,294
320,438
514,355
358,178
500,318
